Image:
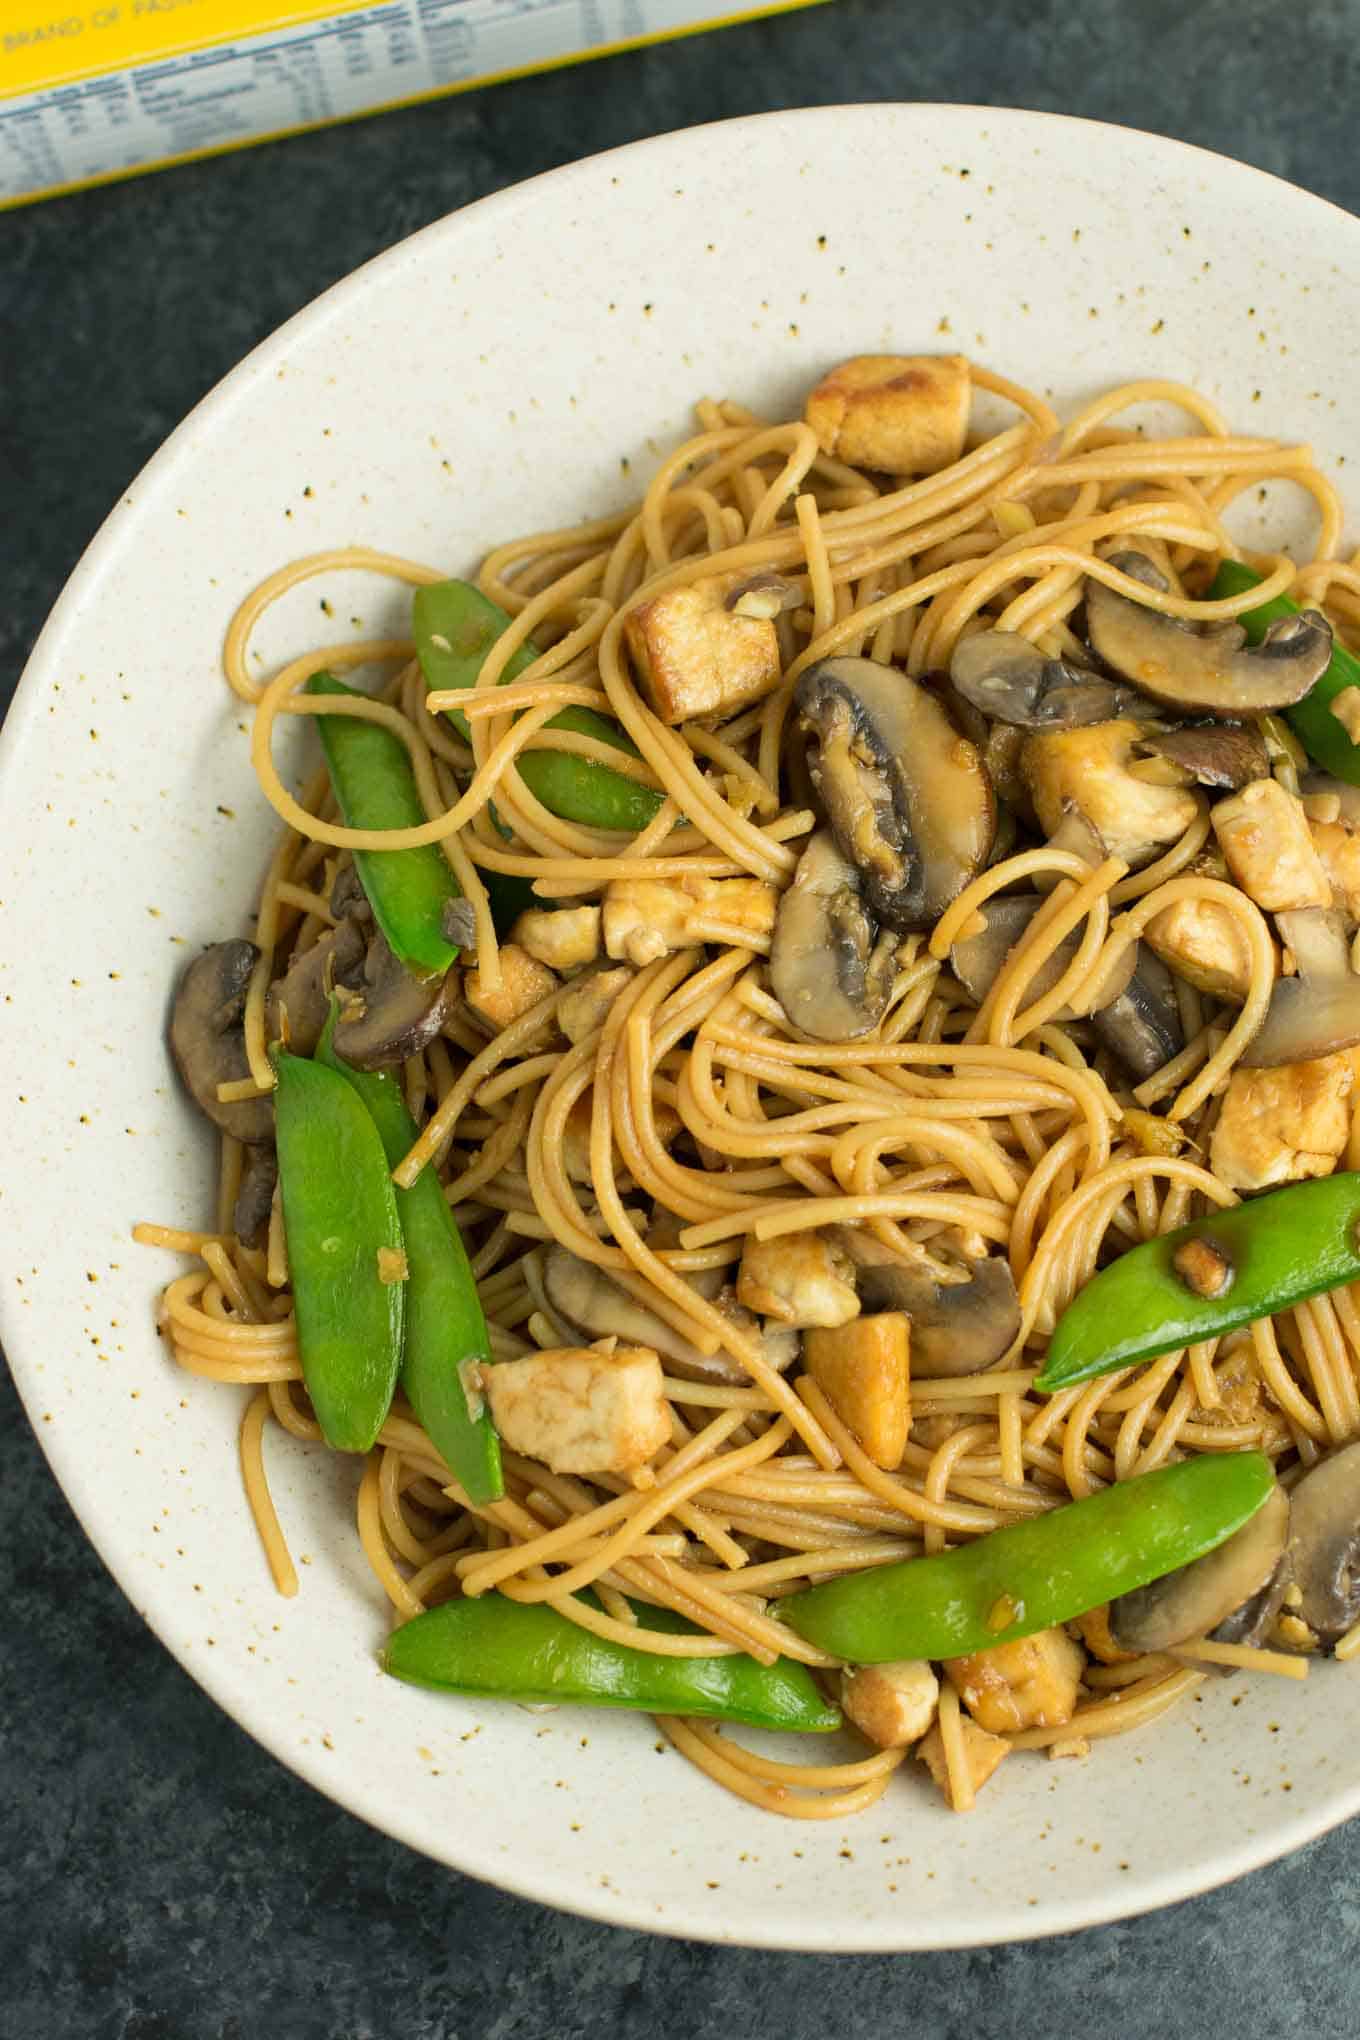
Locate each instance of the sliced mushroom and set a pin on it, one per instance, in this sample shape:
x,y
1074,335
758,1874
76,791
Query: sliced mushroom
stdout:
x,y
1253,1622
582,1298
1324,1545
1219,754
208,1041
830,966
956,1327
298,1002
999,745
907,796
349,901
1012,681
765,595
255,1197
976,960
391,1013
1318,1012
1142,1026
1198,1597
1211,668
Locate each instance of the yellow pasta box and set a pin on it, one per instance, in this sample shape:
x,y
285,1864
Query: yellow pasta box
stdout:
x,y
108,88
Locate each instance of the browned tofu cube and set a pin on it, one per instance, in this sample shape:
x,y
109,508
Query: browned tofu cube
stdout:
x,y
1031,1683
892,1704
981,1753
803,1279
1264,836
1281,1125
586,1001
523,983
580,1409
904,414
695,657
864,1371
564,938
1204,943
1338,847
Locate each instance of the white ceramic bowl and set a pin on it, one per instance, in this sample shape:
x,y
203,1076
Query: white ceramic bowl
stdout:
x,y
484,378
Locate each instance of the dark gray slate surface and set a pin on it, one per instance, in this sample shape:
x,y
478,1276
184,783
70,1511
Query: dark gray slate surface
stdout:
x,y
160,1877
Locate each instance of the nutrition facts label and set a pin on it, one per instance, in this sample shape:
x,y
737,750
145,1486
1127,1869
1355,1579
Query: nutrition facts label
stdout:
x,y
348,61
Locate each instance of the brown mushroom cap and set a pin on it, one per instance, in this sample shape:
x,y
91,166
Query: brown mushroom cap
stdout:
x,y
1324,1545
582,1298
1197,1597
1316,1013
906,795
391,1013
956,1327
977,959
207,1038
255,1197
1142,1024
298,1002
830,967
1011,681
1218,754
1211,668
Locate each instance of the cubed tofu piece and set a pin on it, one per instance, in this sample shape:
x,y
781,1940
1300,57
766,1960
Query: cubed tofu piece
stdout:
x,y
524,983
1204,943
563,940
1087,769
695,657
863,1369
903,414
893,1704
981,1753
803,1279
580,1409
1264,836
1280,1125
647,918
1031,1683
584,1004
1338,849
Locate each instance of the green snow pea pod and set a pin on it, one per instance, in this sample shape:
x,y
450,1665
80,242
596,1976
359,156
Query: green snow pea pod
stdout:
x,y
1208,1276
375,787
455,628
445,1328
1034,1574
1312,721
344,1250
508,1650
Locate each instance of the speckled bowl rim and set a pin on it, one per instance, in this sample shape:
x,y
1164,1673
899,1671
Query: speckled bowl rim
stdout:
x,y
837,1931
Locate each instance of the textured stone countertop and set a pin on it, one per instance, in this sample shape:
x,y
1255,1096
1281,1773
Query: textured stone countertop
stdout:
x,y
161,1877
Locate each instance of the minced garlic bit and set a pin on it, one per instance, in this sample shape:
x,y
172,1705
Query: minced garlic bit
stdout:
x,y
1150,1134
1003,1612
1012,520
392,1265
1075,1748
1345,707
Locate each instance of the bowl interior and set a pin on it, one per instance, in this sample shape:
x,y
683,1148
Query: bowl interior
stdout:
x,y
518,366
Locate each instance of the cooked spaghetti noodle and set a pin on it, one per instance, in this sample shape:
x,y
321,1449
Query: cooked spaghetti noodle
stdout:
x,y
694,1118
